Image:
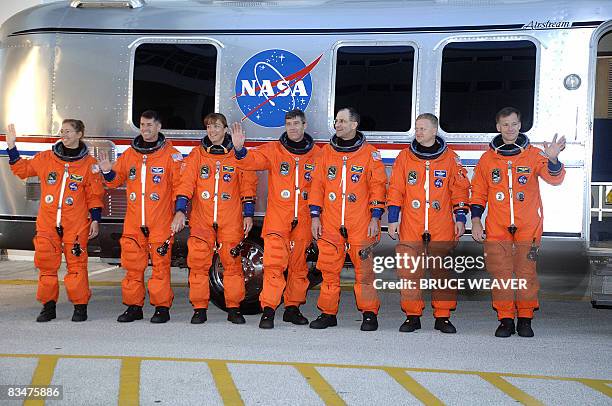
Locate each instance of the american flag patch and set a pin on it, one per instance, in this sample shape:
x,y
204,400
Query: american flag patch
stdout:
x,y
440,173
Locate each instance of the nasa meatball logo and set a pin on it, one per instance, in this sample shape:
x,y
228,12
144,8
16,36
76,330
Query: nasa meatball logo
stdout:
x,y
271,83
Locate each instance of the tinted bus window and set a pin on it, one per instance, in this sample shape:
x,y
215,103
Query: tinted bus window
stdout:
x,y
178,81
480,78
377,81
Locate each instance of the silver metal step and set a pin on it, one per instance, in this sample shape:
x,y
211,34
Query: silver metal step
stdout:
x,y
601,280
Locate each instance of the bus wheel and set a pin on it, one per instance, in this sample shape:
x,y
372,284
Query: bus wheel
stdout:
x,y
315,277
252,265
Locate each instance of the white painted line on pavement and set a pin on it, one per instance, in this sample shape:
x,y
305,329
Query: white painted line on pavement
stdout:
x,y
99,271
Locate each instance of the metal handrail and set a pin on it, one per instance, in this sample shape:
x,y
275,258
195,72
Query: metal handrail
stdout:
x,y
107,3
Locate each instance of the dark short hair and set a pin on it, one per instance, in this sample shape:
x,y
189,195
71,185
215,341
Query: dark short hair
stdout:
x,y
507,111
151,114
353,114
296,113
76,124
428,116
212,117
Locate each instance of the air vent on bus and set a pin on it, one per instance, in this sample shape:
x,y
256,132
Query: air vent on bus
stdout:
x,y
107,3
33,189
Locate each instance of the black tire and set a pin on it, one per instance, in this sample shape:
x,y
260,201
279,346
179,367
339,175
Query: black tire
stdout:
x,y
252,264
315,277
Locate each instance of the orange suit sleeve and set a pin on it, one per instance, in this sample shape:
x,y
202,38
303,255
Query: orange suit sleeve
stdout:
x,y
551,174
480,186
317,189
178,163
248,185
94,188
377,181
187,177
120,169
459,185
257,159
397,184
25,168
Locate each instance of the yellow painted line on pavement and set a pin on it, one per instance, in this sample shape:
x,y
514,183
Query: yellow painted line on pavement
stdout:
x,y
412,386
129,390
509,389
598,386
43,374
18,282
325,391
129,381
349,366
224,382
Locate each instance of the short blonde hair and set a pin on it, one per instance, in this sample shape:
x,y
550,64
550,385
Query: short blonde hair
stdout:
x,y
428,116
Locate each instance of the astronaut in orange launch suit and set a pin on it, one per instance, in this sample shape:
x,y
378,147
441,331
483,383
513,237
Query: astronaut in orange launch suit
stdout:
x,y
71,186
150,168
431,189
217,189
346,203
290,163
506,178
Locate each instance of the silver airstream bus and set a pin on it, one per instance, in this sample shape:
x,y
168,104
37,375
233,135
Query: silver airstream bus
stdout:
x,y
106,61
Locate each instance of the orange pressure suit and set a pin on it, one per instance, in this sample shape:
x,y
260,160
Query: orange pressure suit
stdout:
x,y
434,183
151,174
290,172
348,187
211,178
515,206
70,187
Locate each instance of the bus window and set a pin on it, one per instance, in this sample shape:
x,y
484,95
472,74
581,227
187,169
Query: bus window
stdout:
x,y
177,80
480,78
377,81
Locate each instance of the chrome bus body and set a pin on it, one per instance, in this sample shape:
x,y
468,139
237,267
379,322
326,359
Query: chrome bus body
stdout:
x,y
59,61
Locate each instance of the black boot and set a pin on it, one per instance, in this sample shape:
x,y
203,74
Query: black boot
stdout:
x,y
199,316
324,321
292,315
234,315
523,327
411,324
267,318
130,314
370,322
80,312
161,315
505,329
444,325
47,313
